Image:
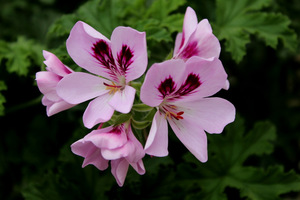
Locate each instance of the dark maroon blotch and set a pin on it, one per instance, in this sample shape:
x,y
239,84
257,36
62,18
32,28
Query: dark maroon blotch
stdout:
x,y
125,58
190,50
191,83
167,87
103,54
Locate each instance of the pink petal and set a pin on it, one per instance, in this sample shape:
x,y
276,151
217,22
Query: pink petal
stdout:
x,y
119,170
78,87
189,24
139,152
211,114
227,85
192,136
55,107
122,101
91,154
55,65
80,46
47,82
158,74
139,167
106,138
211,74
117,153
98,111
177,44
130,52
202,42
97,160
157,141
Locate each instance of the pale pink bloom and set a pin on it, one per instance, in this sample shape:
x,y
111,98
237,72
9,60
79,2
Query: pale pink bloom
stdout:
x,y
179,91
114,62
196,39
47,82
115,144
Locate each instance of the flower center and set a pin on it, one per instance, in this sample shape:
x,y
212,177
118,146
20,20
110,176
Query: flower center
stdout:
x,y
171,112
113,88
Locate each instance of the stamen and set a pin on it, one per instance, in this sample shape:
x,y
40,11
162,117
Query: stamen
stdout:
x,y
170,115
112,88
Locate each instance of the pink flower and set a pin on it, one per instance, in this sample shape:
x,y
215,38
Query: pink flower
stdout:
x,y
114,62
47,82
196,39
179,90
115,144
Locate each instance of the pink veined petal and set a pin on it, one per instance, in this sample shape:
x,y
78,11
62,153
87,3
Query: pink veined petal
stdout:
x,y
189,24
91,154
192,136
177,44
47,82
211,114
80,47
157,141
107,139
119,170
202,42
98,111
46,102
165,72
227,85
122,101
117,153
139,167
139,152
78,87
211,74
97,160
55,65
57,107
129,50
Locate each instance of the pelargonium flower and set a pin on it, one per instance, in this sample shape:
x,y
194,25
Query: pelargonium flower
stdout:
x,y
47,82
115,144
196,39
114,63
180,91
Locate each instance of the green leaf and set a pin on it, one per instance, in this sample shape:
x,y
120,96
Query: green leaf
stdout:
x,y
156,19
141,107
122,118
226,166
63,25
2,98
256,183
140,124
101,15
236,20
20,55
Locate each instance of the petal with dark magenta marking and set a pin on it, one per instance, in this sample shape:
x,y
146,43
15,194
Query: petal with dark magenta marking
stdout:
x,y
167,87
125,58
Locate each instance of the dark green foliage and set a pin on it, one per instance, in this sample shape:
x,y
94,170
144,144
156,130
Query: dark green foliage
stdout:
x,y
236,20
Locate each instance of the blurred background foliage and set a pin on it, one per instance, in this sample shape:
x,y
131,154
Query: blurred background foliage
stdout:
x,y
257,156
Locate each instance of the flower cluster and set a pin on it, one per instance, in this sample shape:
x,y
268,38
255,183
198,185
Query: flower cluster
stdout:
x,y
179,89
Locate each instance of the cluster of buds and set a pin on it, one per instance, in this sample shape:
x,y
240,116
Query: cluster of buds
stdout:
x,y
176,91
